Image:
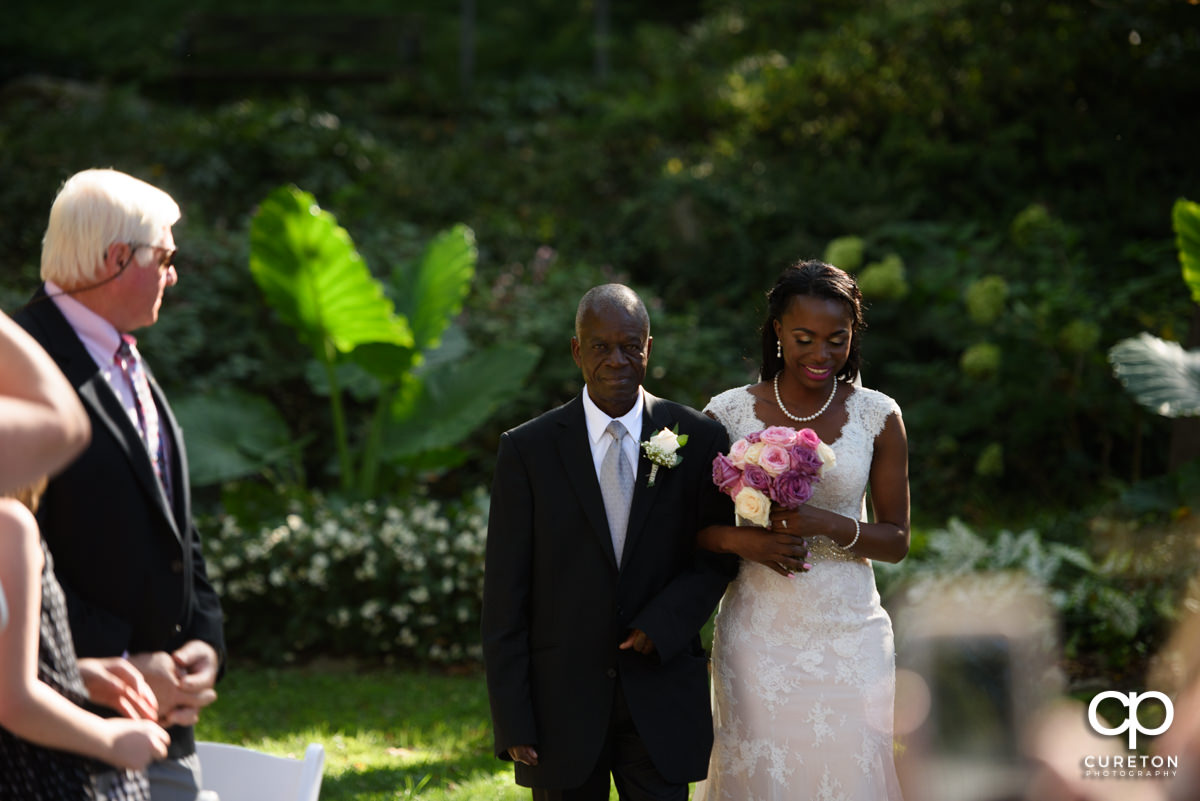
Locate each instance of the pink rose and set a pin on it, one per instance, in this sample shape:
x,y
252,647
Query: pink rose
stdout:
x,y
806,462
774,459
725,473
737,452
756,477
808,438
792,489
779,435
754,437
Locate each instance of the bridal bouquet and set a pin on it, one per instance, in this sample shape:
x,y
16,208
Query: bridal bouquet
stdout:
x,y
776,465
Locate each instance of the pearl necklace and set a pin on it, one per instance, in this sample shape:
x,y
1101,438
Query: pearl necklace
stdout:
x,y
812,416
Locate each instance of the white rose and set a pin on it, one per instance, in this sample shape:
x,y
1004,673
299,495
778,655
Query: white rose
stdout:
x,y
665,442
753,506
828,457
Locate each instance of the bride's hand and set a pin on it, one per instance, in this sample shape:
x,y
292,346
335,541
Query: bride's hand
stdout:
x,y
783,552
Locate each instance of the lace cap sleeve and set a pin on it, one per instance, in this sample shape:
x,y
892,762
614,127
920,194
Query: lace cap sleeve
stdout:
x,y
734,409
875,408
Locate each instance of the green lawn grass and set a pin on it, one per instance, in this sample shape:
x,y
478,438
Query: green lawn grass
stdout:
x,y
388,734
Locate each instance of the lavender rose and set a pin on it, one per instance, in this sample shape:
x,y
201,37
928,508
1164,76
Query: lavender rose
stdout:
x,y
725,473
792,489
756,477
806,462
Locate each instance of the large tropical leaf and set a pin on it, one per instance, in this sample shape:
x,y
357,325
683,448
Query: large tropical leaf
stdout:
x,y
452,399
432,292
311,274
1185,218
1160,375
349,377
391,364
232,434
386,361
453,346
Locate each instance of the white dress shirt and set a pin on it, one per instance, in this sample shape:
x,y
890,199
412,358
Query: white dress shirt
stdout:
x,y
597,422
101,340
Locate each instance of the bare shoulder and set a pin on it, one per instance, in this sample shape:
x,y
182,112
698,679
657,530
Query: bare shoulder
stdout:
x,y
18,529
15,518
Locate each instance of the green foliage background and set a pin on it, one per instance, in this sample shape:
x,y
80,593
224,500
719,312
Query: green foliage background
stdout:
x,y
1007,171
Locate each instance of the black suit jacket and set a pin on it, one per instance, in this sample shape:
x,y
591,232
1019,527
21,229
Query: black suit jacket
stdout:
x,y
127,556
555,605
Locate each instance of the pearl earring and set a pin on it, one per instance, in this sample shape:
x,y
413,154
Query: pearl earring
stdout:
x,y
779,348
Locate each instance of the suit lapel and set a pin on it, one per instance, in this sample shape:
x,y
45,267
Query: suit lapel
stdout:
x,y
94,392
655,416
168,427
576,452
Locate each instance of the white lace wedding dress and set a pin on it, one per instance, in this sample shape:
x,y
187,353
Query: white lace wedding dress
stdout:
x,y
804,667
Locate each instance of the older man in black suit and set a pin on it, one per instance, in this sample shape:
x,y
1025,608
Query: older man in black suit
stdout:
x,y
118,520
594,591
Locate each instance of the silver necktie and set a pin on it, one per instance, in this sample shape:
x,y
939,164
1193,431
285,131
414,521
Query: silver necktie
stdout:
x,y
616,484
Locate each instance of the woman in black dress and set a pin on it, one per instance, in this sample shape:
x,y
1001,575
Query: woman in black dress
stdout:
x,y
51,748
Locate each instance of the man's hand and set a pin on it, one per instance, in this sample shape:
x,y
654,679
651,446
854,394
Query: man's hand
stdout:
x,y
639,641
115,683
182,681
524,754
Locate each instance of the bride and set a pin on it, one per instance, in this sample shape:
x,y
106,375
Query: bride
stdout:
x,y
803,659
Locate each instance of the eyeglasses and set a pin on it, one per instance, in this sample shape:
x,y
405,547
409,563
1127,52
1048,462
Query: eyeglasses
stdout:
x,y
165,262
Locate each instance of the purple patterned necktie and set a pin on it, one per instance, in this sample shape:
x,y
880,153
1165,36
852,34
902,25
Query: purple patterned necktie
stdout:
x,y
131,367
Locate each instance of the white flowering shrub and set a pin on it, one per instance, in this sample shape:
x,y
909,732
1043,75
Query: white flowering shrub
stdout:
x,y
335,578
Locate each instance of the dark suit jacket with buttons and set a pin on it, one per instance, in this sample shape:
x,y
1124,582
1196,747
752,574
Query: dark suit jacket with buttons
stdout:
x,y
128,557
555,605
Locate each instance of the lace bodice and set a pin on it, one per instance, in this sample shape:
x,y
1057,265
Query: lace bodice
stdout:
x,y
842,487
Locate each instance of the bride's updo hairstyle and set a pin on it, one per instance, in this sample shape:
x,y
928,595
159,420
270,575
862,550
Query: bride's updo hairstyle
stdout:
x,y
820,280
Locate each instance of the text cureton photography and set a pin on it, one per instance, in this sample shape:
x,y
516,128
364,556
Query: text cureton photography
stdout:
x,y
1131,765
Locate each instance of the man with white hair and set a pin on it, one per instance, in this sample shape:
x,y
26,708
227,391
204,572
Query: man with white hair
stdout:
x,y
118,520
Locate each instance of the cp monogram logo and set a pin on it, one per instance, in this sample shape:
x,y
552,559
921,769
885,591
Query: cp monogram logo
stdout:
x,y
1131,701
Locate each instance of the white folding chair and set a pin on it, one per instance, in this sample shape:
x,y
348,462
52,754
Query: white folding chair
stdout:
x,y
242,774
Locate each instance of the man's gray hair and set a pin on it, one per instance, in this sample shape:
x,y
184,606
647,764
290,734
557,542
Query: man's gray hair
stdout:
x,y
612,296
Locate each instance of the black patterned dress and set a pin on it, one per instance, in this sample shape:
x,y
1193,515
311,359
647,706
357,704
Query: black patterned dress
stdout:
x,y
31,772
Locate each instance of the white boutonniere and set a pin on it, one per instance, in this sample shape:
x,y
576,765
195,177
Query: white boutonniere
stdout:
x,y
662,451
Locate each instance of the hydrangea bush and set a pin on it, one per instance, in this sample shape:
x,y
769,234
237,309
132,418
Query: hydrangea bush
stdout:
x,y
400,580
